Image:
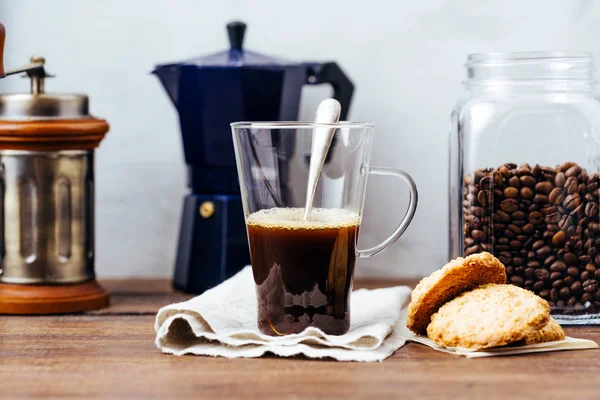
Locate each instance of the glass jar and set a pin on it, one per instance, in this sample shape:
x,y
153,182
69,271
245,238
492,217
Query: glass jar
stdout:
x,y
524,175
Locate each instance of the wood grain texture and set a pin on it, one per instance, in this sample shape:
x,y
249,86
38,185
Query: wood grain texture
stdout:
x,y
112,355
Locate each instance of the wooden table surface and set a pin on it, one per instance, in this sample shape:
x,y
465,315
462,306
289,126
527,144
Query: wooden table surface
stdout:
x,y
111,354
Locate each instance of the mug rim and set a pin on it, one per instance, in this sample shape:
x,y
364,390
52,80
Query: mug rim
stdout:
x,y
298,125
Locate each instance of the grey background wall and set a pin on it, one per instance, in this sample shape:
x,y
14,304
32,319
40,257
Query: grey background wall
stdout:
x,y
405,58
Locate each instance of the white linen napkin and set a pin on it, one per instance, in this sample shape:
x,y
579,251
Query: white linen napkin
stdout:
x,y
223,322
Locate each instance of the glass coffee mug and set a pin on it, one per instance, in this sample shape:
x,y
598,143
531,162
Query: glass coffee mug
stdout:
x,y
304,270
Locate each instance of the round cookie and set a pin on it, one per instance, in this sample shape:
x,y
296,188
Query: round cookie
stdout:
x,y
549,333
488,316
443,285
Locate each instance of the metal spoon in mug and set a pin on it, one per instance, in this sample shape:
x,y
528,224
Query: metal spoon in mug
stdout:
x,y
328,112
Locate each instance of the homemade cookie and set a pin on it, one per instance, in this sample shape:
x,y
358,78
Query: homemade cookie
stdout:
x,y
443,285
549,333
488,316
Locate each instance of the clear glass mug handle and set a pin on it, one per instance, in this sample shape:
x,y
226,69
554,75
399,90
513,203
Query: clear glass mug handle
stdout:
x,y
410,212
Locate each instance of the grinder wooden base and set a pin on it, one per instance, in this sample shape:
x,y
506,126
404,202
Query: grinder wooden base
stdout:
x,y
56,299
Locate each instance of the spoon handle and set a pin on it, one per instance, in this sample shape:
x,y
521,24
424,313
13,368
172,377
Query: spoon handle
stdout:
x,y
328,112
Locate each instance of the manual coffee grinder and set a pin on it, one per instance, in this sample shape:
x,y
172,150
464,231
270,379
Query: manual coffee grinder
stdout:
x,y
47,144
209,93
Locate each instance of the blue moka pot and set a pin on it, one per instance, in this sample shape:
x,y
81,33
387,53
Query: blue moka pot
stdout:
x,y
209,93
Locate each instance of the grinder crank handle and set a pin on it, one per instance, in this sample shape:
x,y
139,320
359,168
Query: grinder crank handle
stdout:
x,y
36,63
2,38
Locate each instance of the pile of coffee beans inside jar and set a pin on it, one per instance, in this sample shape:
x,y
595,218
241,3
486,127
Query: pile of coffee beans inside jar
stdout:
x,y
543,223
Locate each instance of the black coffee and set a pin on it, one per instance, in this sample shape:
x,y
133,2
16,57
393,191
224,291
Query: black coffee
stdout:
x,y
543,223
303,269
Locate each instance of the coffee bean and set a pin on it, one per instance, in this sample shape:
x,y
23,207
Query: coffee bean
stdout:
x,y
567,280
518,215
572,201
571,185
484,197
556,196
515,245
514,182
509,205
536,218
558,283
597,274
472,250
573,171
538,286
540,199
504,260
545,293
528,180
576,287
528,229
486,182
504,171
591,268
479,235
498,179
558,266
573,271
572,301
564,222
584,276
542,274
478,211
594,226
555,276
554,294
560,179
559,238
517,261
543,251
586,298
571,259
564,293
549,260
591,209
515,229
516,280
543,187
552,219
511,192
590,285
584,259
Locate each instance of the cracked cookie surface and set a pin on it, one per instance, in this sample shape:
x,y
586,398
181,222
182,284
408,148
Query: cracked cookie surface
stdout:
x,y
491,315
456,277
549,333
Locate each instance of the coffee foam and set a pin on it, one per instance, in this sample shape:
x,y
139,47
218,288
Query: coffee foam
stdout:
x,y
293,218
